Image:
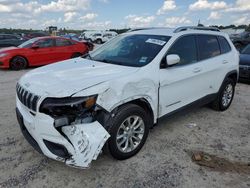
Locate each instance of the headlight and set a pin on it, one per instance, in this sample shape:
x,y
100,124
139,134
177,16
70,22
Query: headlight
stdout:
x,y
3,54
67,106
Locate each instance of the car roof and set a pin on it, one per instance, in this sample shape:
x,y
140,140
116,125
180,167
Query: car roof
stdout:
x,y
50,37
176,31
4,34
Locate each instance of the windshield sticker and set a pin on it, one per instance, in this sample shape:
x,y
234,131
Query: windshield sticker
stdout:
x,y
156,41
143,59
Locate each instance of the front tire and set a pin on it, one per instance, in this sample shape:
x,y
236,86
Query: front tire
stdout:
x,y
225,96
129,131
18,63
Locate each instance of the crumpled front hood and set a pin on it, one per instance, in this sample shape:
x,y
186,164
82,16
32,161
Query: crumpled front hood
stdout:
x,y
68,77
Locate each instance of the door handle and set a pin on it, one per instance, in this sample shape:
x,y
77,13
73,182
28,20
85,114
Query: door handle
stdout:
x,y
196,70
224,62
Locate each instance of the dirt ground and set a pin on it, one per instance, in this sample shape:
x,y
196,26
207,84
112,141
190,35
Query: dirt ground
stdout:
x,y
164,161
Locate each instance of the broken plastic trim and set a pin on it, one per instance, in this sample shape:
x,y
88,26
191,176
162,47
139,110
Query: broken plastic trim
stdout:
x,y
87,140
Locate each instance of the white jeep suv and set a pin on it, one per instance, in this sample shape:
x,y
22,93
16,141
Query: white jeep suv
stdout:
x,y
111,97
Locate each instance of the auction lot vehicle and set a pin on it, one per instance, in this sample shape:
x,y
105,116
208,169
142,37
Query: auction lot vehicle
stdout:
x,y
71,110
108,35
76,38
98,37
40,51
35,35
7,40
245,64
241,40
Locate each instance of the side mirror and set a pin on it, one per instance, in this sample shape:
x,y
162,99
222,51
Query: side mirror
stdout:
x,y
172,59
34,46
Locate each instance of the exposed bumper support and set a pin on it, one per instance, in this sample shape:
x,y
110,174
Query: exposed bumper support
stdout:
x,y
83,143
87,140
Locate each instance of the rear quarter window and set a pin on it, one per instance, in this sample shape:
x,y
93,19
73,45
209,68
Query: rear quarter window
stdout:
x,y
224,46
208,46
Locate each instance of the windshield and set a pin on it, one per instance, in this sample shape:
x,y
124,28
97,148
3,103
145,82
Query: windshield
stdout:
x,y
130,50
28,43
246,50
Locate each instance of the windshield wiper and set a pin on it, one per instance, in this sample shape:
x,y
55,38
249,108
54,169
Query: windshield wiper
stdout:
x,y
87,55
110,62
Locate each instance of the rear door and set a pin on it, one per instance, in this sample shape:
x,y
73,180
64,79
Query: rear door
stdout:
x,y
64,49
215,57
44,54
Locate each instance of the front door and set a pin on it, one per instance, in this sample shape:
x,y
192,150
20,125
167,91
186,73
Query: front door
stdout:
x,y
44,53
184,82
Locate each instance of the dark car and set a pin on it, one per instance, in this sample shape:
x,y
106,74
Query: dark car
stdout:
x,y
34,35
241,40
8,40
76,38
245,63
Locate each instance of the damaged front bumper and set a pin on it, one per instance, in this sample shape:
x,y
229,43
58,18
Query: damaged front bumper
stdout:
x,y
76,145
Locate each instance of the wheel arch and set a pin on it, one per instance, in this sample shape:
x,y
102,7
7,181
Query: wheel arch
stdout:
x,y
20,56
143,103
232,75
104,116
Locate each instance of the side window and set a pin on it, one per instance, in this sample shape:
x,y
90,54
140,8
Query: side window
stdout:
x,y
224,46
185,47
45,43
208,46
63,42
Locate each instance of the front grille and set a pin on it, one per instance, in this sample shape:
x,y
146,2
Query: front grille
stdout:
x,y
244,67
27,98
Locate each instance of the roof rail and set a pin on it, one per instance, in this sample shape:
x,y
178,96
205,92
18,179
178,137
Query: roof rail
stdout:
x,y
147,28
185,28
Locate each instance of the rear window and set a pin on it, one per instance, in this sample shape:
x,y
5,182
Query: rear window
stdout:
x,y
63,42
208,46
224,46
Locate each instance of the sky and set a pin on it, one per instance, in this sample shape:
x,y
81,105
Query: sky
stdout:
x,y
106,14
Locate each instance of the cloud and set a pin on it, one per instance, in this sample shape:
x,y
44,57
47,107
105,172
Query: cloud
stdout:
x,y
18,7
64,6
89,17
4,8
139,21
98,25
175,21
104,1
69,16
205,4
240,6
214,16
167,6
245,19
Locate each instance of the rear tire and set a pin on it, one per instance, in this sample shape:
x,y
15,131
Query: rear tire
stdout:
x,y
225,96
129,130
18,63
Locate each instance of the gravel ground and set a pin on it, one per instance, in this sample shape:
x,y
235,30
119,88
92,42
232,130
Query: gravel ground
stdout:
x,y
164,161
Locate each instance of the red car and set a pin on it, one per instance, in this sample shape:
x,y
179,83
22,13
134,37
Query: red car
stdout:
x,y
41,51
